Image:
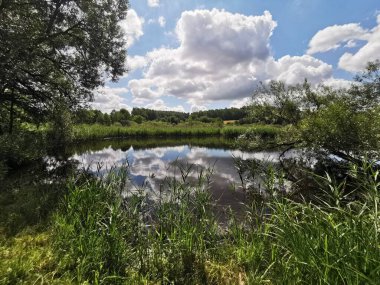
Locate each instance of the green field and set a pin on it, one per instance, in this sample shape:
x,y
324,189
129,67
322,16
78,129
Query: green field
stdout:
x,y
161,129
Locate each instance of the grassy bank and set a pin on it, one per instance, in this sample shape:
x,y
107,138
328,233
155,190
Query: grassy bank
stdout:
x,y
177,239
100,238
160,129
152,142
27,200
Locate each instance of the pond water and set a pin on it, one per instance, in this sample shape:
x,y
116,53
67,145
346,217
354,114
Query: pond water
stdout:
x,y
28,195
150,163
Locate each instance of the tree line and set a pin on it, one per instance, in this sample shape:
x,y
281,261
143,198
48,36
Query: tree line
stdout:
x,y
139,115
226,114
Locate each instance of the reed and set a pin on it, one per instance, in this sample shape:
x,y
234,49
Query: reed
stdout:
x,y
149,129
175,237
106,232
161,129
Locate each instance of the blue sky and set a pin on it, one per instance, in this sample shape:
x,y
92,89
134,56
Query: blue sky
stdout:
x,y
191,55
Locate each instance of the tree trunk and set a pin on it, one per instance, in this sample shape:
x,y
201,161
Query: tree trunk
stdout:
x,y
11,116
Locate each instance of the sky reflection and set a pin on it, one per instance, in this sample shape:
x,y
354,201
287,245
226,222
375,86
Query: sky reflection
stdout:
x,y
149,167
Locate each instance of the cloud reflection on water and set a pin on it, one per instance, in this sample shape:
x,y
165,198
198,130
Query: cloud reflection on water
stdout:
x,y
151,166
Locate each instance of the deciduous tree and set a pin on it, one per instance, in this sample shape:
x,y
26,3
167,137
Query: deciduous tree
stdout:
x,y
57,51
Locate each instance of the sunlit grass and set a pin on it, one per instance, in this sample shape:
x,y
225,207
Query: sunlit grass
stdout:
x,y
28,258
177,239
161,129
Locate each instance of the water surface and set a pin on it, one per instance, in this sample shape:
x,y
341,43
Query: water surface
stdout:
x,y
149,166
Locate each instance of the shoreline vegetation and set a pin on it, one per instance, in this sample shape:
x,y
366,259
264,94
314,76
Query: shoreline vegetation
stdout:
x,y
83,132
96,237
160,129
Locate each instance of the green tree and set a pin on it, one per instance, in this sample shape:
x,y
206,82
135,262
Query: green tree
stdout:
x,y
106,119
366,93
61,132
138,119
277,103
98,117
349,123
115,117
174,120
59,50
124,117
339,128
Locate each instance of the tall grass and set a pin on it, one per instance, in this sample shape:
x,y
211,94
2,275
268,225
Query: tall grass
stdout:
x,y
106,239
160,129
326,245
92,231
152,142
174,237
149,129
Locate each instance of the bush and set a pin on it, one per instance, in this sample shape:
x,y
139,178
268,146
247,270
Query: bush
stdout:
x,y
21,148
61,129
340,128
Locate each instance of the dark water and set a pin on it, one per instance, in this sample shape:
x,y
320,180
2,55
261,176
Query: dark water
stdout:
x,y
29,195
153,161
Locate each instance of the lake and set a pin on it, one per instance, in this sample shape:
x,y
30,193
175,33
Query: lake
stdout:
x,y
152,161
29,194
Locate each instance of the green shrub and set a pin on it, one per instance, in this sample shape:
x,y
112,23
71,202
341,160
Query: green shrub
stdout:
x,y
61,129
20,148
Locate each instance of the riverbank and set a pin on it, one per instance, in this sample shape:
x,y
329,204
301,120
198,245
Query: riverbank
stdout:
x,y
97,238
161,129
28,143
83,232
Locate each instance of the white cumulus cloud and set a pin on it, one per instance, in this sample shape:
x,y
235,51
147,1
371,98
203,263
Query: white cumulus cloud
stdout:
x,y
334,36
338,83
348,35
369,52
107,99
241,102
136,62
294,69
153,3
162,21
132,27
221,56
215,53
161,106
197,108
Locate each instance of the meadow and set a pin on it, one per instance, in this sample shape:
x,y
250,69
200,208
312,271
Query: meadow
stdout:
x,y
162,129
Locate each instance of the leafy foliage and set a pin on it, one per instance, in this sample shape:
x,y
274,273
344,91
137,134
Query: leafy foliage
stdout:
x,y
277,103
349,122
52,50
344,122
61,130
223,114
339,127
